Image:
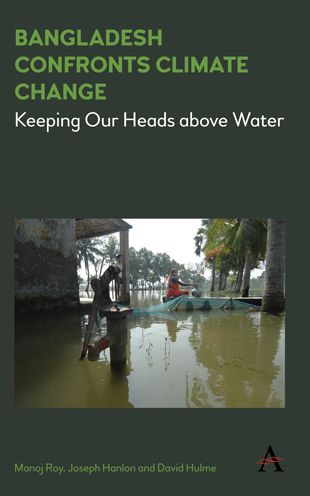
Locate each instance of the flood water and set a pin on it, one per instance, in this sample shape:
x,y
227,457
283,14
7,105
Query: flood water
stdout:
x,y
200,359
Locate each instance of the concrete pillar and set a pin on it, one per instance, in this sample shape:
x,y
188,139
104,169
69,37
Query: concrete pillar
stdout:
x,y
117,333
115,339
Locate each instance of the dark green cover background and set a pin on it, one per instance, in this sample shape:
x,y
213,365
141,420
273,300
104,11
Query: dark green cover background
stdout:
x,y
135,173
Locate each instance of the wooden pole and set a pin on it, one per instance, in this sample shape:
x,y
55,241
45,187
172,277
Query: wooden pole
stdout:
x,y
124,250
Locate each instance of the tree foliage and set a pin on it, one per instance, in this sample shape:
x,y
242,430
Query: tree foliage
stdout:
x,y
147,270
232,246
150,270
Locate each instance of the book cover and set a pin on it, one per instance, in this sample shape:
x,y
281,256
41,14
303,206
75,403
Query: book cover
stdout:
x,y
133,115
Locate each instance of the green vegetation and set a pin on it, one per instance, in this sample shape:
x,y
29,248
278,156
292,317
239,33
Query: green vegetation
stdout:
x,y
148,270
94,253
234,247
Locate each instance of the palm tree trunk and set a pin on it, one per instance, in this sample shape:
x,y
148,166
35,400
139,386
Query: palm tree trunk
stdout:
x,y
273,298
239,277
247,275
87,271
213,275
101,266
220,282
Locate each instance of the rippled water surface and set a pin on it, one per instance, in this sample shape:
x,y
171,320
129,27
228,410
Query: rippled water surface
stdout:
x,y
210,359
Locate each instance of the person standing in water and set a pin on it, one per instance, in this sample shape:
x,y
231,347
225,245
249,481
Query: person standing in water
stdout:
x,y
174,285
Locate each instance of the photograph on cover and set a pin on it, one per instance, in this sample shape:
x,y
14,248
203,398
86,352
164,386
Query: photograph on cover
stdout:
x,y
149,313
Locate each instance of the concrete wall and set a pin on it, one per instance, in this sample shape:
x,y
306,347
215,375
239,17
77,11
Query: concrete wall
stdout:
x,y
45,263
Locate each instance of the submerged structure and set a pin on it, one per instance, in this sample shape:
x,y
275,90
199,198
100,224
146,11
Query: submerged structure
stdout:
x,y
45,258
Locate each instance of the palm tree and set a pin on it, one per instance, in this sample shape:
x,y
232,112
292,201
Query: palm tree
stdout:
x,y
87,249
109,250
251,242
211,256
273,298
209,241
239,277
243,241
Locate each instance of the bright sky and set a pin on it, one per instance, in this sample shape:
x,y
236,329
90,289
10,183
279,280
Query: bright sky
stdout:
x,y
172,236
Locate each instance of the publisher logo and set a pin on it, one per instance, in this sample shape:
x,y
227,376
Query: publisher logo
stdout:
x,y
270,458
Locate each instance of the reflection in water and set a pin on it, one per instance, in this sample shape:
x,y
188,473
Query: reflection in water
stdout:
x,y
172,329
239,354
196,359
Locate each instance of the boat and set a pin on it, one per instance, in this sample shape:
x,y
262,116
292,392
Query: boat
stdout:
x,y
190,303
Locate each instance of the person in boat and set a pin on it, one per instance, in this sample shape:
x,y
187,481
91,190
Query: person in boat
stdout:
x,y
174,285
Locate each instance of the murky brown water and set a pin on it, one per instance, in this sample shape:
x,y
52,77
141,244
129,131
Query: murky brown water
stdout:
x,y
209,360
